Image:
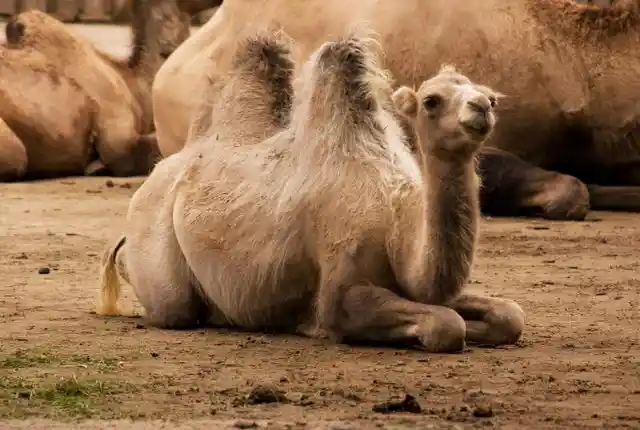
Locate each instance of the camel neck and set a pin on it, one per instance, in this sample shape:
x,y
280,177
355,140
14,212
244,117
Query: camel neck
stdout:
x,y
451,197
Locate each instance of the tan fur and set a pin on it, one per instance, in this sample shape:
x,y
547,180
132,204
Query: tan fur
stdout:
x,y
329,224
109,295
115,94
570,70
13,155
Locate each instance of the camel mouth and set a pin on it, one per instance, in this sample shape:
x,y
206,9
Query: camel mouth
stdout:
x,y
478,127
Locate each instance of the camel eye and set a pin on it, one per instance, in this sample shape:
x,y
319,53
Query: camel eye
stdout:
x,y
432,101
493,101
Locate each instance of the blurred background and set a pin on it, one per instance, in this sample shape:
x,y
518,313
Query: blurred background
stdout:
x,y
84,11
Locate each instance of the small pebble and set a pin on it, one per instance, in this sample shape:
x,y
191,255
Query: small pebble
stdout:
x,y
109,183
265,394
44,271
408,404
483,412
244,424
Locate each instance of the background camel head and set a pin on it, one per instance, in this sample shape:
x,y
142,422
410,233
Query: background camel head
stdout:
x,y
33,27
451,114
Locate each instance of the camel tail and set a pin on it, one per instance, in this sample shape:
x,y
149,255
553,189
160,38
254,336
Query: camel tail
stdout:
x,y
109,282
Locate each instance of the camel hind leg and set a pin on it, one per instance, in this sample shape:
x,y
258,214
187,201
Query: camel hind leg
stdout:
x,y
153,260
162,280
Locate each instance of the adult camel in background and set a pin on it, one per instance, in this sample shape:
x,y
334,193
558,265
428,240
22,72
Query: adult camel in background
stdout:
x,y
71,108
570,71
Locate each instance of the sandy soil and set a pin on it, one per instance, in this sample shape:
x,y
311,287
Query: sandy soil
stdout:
x,y
578,365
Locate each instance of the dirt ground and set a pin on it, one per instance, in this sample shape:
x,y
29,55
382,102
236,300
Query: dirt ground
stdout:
x,y
578,365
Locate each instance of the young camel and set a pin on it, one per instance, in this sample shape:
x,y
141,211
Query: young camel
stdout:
x,y
107,111
571,72
328,227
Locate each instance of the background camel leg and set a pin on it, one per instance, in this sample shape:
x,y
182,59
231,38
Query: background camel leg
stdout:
x,y
368,313
13,155
612,198
514,187
96,168
613,187
489,320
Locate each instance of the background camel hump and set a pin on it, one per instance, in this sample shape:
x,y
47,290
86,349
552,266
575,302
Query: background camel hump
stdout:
x,y
620,16
267,52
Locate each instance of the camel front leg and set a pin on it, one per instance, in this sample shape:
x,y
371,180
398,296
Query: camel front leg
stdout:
x,y
489,320
366,313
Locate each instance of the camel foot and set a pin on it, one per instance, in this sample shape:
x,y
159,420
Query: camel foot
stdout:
x,y
489,320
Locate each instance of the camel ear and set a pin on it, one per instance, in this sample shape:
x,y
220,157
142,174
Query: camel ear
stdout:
x,y
405,101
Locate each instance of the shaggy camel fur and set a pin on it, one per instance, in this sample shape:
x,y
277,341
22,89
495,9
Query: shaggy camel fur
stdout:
x,y
77,109
570,71
330,226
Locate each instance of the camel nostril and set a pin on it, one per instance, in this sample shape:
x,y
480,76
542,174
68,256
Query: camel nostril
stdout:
x,y
478,107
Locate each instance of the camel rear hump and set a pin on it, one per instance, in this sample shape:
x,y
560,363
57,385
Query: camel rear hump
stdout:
x,y
348,71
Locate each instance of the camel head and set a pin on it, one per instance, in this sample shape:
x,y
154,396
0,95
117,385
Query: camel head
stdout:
x,y
159,27
450,113
34,27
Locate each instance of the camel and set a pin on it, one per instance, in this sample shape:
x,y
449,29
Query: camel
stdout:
x,y
325,224
568,142
76,109
13,156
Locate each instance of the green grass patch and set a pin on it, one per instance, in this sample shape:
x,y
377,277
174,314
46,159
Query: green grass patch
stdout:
x,y
32,358
70,396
